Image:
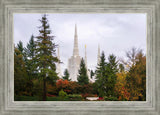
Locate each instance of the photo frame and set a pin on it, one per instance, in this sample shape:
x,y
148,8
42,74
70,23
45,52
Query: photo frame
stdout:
x,y
7,104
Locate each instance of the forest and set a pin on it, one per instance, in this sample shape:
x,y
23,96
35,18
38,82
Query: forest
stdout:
x,y
35,77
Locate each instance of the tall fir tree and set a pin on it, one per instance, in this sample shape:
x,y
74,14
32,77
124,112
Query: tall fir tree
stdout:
x,y
82,77
30,50
21,48
100,76
45,54
20,73
106,75
30,53
111,70
66,75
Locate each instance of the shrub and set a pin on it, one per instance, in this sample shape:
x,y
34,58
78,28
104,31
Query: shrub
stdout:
x,y
57,99
75,97
62,93
111,99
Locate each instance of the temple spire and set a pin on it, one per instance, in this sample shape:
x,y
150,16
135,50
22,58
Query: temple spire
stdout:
x,y
85,56
75,49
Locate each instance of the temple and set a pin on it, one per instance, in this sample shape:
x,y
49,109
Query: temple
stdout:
x,y
74,61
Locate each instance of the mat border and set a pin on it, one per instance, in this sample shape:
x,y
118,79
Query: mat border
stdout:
x,y
149,107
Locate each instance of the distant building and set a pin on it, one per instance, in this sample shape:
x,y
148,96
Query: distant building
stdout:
x,y
75,60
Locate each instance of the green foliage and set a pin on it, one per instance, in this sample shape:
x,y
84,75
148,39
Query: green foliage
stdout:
x,y
35,74
62,93
111,70
37,89
20,46
75,97
45,54
58,99
30,61
83,77
100,76
121,67
106,75
111,99
20,74
30,50
92,73
66,75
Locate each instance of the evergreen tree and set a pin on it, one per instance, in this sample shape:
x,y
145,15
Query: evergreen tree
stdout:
x,y
30,50
121,67
20,46
20,73
100,76
83,77
111,70
92,73
45,54
106,76
66,75
30,53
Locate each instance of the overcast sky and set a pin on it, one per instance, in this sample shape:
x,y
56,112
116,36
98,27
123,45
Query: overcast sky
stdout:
x,y
115,33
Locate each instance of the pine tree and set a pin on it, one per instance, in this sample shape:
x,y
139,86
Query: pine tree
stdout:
x,y
66,75
83,77
92,73
111,70
20,46
20,73
106,76
30,50
30,53
45,54
100,76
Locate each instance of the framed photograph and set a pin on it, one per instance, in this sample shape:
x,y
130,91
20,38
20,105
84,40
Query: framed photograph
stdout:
x,y
80,57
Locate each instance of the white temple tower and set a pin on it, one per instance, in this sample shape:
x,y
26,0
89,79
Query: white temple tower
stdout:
x,y
75,59
58,67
